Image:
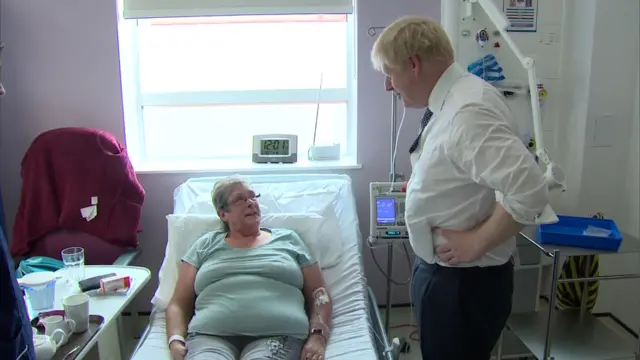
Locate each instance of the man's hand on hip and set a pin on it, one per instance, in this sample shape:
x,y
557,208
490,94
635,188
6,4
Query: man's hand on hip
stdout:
x,y
461,247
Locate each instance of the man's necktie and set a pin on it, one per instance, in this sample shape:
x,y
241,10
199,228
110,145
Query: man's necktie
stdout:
x,y
423,124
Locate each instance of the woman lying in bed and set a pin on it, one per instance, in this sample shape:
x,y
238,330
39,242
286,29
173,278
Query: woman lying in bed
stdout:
x,y
248,293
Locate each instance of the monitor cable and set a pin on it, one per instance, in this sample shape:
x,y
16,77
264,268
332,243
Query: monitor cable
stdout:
x,y
384,273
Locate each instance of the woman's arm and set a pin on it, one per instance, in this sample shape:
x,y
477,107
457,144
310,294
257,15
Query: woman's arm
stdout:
x,y
180,309
318,299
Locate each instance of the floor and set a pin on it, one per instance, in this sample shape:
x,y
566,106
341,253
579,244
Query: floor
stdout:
x,y
401,320
402,327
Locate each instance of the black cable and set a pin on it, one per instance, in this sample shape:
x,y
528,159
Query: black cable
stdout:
x,y
375,261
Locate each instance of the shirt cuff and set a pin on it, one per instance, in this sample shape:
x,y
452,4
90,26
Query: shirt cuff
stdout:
x,y
526,215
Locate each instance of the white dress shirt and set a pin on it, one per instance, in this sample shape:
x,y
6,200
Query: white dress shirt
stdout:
x,y
467,153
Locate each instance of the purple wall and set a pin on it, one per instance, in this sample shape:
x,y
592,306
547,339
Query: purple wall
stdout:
x,y
61,69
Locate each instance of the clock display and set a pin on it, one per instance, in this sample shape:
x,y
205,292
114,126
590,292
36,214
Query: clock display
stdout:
x,y
274,147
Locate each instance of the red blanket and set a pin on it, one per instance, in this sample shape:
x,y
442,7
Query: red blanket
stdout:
x,y
61,172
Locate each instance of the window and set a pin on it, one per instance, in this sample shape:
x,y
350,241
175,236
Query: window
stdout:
x,y
198,89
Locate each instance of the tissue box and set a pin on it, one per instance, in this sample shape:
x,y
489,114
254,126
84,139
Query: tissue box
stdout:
x,y
570,231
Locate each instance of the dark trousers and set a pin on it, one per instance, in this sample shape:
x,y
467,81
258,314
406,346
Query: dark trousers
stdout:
x,y
460,311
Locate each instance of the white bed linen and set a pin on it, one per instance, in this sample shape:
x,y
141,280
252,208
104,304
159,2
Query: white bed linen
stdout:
x,y
352,337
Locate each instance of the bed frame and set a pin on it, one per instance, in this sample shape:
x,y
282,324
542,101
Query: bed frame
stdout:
x,y
386,351
384,348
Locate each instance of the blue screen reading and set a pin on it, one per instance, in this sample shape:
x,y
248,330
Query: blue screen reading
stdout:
x,y
386,211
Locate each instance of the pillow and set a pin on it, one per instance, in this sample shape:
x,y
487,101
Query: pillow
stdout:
x,y
182,232
320,234
317,232
316,198
299,197
278,198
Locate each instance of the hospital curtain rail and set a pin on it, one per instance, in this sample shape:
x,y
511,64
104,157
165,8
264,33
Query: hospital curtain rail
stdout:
x,y
141,9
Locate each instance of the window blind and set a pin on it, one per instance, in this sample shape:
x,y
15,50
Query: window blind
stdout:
x,y
141,9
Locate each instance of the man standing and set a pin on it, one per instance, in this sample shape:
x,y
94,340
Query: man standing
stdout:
x,y
466,152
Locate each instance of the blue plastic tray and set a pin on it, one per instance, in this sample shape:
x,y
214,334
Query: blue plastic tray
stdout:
x,y
569,231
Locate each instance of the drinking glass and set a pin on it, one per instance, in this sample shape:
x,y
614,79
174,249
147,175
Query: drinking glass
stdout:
x,y
73,259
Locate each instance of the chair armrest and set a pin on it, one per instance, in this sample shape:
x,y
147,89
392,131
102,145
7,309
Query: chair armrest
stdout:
x,y
127,257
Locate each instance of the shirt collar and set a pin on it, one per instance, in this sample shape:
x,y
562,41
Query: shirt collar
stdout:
x,y
444,84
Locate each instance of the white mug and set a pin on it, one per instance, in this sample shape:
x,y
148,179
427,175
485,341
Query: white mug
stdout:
x,y
56,322
76,308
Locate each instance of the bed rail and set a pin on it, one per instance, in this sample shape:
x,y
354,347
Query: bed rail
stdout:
x,y
144,335
386,351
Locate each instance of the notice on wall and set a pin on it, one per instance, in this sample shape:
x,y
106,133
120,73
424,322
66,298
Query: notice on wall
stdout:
x,y
522,15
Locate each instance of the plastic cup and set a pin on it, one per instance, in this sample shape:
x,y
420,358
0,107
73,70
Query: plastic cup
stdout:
x,y
73,259
40,288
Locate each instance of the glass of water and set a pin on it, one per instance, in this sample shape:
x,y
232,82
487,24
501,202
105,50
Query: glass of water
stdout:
x,y
73,259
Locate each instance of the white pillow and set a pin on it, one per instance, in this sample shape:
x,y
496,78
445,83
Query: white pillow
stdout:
x,y
318,233
182,233
318,198
278,198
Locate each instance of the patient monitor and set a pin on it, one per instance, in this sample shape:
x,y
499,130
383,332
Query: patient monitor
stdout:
x,y
386,201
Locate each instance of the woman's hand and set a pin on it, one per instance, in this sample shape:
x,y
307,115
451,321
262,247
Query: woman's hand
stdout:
x,y
178,350
314,348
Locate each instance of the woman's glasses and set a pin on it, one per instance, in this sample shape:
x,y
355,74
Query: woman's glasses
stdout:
x,y
245,200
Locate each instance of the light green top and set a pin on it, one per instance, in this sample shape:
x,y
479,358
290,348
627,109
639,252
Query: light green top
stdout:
x,y
250,292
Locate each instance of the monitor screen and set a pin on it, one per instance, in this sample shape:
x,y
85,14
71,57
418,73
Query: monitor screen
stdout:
x,y
386,211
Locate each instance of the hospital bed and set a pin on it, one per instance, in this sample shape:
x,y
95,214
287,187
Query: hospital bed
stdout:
x,y
357,333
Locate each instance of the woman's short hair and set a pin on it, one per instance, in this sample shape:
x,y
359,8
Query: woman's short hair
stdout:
x,y
222,190
410,36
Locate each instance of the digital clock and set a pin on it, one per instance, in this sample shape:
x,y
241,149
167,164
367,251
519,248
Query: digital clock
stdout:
x,y
275,148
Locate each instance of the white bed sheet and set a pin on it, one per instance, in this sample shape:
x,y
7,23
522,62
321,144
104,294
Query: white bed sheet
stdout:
x,y
352,337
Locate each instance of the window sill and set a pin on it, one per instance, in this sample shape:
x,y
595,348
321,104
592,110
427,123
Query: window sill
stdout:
x,y
244,166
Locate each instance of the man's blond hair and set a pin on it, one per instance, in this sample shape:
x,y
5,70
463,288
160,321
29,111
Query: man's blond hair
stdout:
x,y
410,36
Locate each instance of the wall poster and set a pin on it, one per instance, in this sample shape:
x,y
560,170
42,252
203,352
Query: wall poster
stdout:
x,y
522,14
